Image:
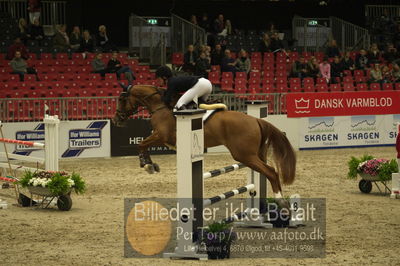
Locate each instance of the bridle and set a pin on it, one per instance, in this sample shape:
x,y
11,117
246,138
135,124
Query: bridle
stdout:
x,y
142,102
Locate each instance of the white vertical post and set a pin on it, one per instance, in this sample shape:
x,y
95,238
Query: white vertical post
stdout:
x,y
190,149
396,176
51,125
258,196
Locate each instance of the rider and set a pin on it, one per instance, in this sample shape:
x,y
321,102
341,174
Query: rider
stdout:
x,y
193,86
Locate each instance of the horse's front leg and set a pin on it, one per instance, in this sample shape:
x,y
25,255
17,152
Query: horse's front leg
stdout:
x,y
144,156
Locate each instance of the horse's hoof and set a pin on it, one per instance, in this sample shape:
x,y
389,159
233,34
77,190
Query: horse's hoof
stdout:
x,y
283,203
156,167
149,168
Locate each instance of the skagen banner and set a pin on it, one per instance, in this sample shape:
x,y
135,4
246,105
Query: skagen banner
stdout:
x,y
347,131
125,140
343,103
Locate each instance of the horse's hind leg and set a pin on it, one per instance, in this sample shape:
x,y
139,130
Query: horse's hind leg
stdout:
x,y
144,156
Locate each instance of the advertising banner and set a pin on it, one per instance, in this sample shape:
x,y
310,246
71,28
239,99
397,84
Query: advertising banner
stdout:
x,y
125,140
343,103
83,139
348,131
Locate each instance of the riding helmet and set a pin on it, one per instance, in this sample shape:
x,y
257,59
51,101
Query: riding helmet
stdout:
x,y
163,72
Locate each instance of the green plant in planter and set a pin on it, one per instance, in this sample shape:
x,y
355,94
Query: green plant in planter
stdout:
x,y
217,238
58,183
371,166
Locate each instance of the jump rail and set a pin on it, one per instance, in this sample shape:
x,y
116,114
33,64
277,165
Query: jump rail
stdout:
x,y
22,142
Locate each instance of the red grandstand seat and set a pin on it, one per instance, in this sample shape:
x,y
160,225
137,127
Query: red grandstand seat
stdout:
x,y
375,87
387,86
348,79
281,67
268,67
77,56
46,56
256,55
241,75
321,81
348,87
216,68
177,59
281,74
255,88
307,81
254,81
269,88
362,87
256,61
281,87
227,75
359,73
397,86
295,87
309,87
281,81
335,87
268,75
360,79
110,77
323,87
295,81
347,72
255,68
227,85
241,83
255,75
214,77
267,81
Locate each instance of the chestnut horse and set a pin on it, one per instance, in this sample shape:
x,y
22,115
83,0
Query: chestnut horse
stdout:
x,y
246,137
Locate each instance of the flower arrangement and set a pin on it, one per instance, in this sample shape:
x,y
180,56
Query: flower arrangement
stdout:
x,y
58,183
382,169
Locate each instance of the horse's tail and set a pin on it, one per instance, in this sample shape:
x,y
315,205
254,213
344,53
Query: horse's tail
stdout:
x,y
283,153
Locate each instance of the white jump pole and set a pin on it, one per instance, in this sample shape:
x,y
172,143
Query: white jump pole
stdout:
x,y
51,142
396,176
190,149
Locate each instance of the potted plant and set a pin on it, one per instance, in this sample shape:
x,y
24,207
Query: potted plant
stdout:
x,y
371,169
54,184
217,238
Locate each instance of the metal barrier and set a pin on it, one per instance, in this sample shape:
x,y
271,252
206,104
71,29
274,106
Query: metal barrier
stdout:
x,y
149,40
185,33
376,11
311,34
95,108
349,36
52,12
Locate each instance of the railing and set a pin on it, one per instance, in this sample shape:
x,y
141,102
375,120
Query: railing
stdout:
x,y
376,11
185,33
349,36
311,36
98,108
52,12
149,40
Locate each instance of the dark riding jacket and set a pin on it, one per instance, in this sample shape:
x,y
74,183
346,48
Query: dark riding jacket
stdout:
x,y
177,85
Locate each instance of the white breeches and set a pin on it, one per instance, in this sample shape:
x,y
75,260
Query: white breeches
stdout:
x,y
202,89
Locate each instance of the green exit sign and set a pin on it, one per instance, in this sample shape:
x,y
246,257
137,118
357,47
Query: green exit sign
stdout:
x,y
152,21
312,22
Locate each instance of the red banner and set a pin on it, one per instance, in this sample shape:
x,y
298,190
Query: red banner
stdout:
x,y
343,103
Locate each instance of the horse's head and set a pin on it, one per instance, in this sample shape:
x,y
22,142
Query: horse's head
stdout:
x,y
131,98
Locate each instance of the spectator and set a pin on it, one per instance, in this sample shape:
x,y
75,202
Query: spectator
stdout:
x,y
396,73
387,76
189,59
264,45
87,44
333,49
193,20
228,28
243,63
34,7
207,51
61,40
228,63
23,30
374,55
103,40
276,44
325,69
20,67
336,69
217,55
396,37
17,46
115,66
271,29
75,38
348,62
205,22
202,66
362,60
376,74
391,53
299,68
313,67
219,24
36,31
98,65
